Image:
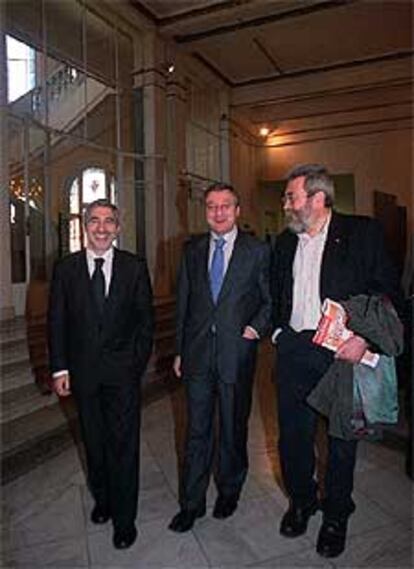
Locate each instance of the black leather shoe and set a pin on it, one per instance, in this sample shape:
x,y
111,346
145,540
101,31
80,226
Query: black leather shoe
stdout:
x,y
225,507
184,520
332,538
99,515
124,538
295,521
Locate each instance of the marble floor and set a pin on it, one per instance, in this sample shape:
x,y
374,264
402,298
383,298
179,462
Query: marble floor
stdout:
x,y
45,520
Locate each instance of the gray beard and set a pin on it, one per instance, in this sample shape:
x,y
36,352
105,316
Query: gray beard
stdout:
x,y
296,225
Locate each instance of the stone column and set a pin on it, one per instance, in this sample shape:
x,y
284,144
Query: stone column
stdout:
x,y
159,183
176,221
6,297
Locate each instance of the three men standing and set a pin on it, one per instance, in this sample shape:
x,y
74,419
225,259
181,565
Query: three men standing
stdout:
x,y
101,327
223,308
100,340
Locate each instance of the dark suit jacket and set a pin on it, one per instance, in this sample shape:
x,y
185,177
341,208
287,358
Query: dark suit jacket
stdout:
x,y
354,262
115,349
244,300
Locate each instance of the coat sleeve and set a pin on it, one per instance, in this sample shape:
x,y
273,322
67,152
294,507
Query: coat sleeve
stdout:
x,y
261,322
383,275
183,289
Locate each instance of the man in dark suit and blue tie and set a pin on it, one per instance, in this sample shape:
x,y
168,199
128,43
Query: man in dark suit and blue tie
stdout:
x,y
223,308
100,339
321,254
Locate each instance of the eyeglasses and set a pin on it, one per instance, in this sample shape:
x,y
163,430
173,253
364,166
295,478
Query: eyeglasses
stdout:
x,y
291,198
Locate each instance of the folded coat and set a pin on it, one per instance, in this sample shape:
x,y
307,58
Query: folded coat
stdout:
x,y
355,397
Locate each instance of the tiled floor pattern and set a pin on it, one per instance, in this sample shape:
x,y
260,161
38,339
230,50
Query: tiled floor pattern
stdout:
x,y
45,512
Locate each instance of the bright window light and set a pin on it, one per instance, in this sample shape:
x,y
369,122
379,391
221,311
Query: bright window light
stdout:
x,y
20,68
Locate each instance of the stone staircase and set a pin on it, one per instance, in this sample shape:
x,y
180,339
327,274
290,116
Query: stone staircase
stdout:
x,y
35,424
27,414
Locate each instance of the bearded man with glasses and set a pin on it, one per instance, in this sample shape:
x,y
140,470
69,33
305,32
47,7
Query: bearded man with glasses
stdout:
x,y
321,254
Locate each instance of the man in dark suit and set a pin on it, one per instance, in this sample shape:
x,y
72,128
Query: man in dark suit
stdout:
x,y
223,308
322,254
100,339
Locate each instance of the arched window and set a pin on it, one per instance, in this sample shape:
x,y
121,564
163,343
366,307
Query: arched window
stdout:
x,y
92,184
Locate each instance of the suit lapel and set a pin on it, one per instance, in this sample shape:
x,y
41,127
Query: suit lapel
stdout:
x,y
285,267
115,287
335,245
201,265
84,280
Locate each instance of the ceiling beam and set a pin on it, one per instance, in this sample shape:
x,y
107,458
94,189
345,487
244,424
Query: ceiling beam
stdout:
x,y
260,45
178,17
394,56
213,68
263,20
203,11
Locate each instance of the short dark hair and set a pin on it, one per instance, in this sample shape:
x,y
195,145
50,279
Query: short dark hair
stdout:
x,y
221,187
87,214
317,179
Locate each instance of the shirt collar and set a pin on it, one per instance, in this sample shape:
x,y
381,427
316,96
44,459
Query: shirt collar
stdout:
x,y
229,237
107,256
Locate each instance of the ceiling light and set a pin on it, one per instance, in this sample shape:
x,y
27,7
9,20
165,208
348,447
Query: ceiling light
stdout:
x,y
264,131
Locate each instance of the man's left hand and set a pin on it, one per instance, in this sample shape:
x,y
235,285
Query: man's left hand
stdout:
x,y
352,350
248,334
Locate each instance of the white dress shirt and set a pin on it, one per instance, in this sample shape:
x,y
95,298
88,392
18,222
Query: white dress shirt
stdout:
x,y
306,309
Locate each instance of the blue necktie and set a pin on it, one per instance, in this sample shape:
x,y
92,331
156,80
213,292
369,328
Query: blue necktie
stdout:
x,y
217,268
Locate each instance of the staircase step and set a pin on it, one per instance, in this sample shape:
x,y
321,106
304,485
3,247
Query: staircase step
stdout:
x,y
16,376
12,328
29,440
14,353
23,400
24,430
9,341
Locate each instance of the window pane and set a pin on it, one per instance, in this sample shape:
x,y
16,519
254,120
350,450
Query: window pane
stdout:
x,y
112,191
74,197
93,185
20,68
74,234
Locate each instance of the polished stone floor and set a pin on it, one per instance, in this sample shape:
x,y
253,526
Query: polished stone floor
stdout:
x,y
45,512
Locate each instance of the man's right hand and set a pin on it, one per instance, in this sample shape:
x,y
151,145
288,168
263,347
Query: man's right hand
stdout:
x,y
177,366
61,385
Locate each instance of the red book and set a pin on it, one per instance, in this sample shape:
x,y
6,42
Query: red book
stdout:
x,y
332,331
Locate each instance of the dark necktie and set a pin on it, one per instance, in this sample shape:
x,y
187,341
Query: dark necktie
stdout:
x,y
98,284
217,268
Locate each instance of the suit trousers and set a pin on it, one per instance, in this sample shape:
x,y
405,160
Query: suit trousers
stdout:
x,y
300,365
109,417
234,404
